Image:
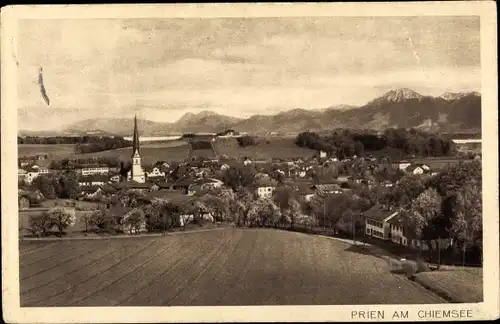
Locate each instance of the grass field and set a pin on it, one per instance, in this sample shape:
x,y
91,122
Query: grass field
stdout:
x,y
463,286
223,267
171,151
266,148
55,149
178,150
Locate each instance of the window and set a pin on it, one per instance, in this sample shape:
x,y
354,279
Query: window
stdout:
x,y
367,231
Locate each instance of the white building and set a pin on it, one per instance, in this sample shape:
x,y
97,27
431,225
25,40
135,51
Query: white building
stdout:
x,y
247,161
402,165
224,167
155,173
265,188
322,154
94,170
377,221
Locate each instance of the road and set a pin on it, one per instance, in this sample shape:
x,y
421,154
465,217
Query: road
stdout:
x,y
224,267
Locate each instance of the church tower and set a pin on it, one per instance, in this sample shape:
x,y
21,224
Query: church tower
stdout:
x,y
136,172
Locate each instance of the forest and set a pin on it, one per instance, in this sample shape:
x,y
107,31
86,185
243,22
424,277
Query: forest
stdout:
x,y
346,143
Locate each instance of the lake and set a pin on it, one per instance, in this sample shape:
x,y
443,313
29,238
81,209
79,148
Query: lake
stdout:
x,y
155,138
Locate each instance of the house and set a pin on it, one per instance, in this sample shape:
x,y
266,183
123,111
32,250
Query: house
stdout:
x,y
377,221
93,169
155,173
399,234
343,179
265,188
387,183
247,161
306,191
322,154
93,180
115,178
228,133
329,188
90,192
24,202
401,165
224,167
125,216
179,186
43,170
30,176
193,189
415,169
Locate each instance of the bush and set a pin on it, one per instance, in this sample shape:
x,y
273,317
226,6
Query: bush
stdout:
x,y
246,140
422,266
408,269
40,225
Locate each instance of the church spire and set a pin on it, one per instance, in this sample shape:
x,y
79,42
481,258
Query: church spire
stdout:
x,y
135,140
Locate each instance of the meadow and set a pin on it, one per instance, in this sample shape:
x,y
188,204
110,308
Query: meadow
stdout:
x,y
218,267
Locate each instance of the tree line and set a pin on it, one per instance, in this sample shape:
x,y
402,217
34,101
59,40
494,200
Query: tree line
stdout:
x,y
70,164
346,143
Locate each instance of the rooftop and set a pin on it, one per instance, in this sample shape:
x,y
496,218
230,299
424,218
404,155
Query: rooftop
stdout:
x,y
378,212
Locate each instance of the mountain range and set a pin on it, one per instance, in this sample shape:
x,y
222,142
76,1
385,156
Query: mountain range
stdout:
x,y
450,112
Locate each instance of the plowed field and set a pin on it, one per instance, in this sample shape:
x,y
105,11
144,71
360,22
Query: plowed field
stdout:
x,y
224,267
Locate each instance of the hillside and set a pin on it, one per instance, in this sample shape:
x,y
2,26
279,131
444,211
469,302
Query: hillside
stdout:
x,y
228,267
451,112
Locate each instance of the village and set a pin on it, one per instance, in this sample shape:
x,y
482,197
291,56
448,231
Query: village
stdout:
x,y
195,188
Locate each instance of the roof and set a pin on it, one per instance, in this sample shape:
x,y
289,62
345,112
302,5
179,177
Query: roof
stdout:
x,y
131,184
265,183
89,188
378,212
412,167
119,211
108,188
326,187
305,189
94,177
86,166
172,197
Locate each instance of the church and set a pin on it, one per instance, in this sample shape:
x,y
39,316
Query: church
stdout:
x,y
136,172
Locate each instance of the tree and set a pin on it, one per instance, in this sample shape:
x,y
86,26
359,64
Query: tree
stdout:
x,y
46,185
217,206
263,212
62,218
68,186
240,176
134,221
102,220
424,210
41,224
468,221
86,217
246,140
409,188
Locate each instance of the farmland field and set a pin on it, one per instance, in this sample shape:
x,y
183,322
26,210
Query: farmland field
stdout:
x,y
266,148
49,149
221,267
175,150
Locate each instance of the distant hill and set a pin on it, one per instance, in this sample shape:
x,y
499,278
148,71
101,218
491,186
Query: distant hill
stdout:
x,y
450,112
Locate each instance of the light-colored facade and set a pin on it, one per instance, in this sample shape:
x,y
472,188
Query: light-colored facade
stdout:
x,y
265,191
95,170
136,172
155,173
379,226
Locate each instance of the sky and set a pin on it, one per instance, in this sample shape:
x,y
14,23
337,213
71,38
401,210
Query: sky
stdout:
x,y
164,68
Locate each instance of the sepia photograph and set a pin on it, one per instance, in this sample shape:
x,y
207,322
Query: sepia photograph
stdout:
x,y
207,159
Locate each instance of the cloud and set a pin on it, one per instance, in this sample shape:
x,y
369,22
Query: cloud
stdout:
x,y
166,67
